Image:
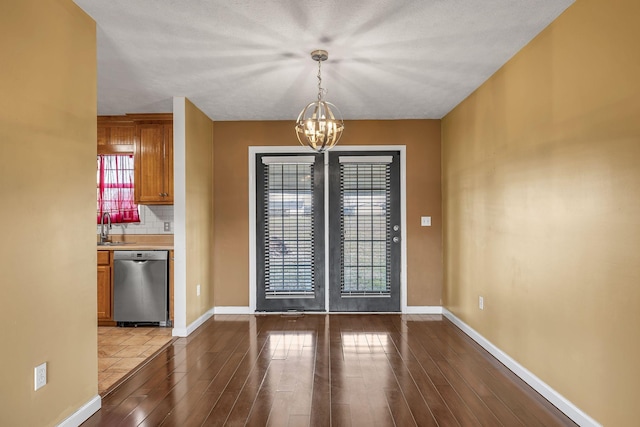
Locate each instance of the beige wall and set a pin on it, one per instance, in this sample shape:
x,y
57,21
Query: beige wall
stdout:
x,y
231,207
198,210
47,193
541,173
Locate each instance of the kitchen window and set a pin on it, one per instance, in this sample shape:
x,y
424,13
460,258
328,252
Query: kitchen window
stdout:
x,y
115,188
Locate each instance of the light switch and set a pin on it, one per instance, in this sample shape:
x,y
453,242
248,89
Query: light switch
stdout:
x,y
425,221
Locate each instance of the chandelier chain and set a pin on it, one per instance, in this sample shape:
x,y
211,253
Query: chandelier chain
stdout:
x,y
321,90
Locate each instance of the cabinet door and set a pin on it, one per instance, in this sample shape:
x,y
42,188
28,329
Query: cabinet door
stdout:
x,y
103,138
116,135
122,137
105,311
168,163
154,164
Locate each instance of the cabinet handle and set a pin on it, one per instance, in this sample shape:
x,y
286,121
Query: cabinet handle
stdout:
x,y
163,194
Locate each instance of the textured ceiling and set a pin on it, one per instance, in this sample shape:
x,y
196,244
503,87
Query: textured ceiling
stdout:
x,y
249,59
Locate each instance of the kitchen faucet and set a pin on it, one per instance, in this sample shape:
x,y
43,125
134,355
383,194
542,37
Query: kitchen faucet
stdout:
x,y
104,232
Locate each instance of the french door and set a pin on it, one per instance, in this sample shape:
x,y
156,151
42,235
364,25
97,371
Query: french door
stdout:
x,y
364,231
363,248
289,232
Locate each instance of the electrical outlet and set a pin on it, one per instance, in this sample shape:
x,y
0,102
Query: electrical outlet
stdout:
x,y
425,221
40,376
198,290
167,226
481,303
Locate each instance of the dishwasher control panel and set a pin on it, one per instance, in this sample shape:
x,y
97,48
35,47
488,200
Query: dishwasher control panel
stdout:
x,y
141,255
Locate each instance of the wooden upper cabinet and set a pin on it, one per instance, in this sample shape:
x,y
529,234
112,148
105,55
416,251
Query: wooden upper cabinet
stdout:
x,y
123,135
103,137
150,138
116,135
153,160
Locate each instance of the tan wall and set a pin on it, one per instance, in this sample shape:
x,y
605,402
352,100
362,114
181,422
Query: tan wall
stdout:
x,y
47,192
231,207
198,210
541,173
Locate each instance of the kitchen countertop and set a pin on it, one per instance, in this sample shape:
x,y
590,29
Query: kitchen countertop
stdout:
x,y
135,247
138,242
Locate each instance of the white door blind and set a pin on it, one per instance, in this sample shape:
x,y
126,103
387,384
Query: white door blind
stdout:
x,y
289,231
365,227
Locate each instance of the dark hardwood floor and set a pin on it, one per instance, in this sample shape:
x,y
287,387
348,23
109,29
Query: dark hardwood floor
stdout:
x,y
325,370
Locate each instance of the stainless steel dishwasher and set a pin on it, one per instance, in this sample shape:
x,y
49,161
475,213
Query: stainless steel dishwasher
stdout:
x,y
140,287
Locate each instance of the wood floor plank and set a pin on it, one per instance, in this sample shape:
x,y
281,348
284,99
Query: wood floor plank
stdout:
x,y
417,405
298,421
423,376
239,395
325,370
341,415
460,411
380,411
321,394
280,410
221,395
469,397
399,408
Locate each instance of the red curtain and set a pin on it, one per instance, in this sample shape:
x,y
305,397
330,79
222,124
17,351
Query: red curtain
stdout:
x,y
115,189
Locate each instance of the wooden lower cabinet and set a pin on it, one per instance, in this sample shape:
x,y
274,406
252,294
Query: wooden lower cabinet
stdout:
x,y
105,289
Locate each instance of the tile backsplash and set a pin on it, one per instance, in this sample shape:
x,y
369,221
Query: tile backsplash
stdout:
x,y
152,219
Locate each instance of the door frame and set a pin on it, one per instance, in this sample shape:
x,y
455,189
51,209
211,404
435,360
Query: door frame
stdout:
x,y
253,150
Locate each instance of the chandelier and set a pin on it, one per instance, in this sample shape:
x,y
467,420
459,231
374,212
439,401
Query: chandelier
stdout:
x,y
317,125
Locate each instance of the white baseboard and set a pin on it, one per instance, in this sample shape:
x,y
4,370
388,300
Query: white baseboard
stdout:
x,y
414,309
422,309
556,399
185,332
232,310
83,413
